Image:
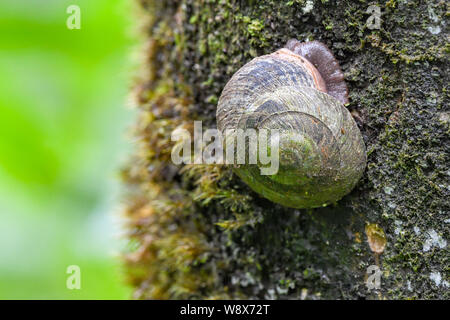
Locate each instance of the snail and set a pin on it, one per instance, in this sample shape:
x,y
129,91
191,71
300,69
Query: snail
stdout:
x,y
300,91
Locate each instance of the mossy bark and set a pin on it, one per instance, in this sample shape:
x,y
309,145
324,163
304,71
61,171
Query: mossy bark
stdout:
x,y
197,231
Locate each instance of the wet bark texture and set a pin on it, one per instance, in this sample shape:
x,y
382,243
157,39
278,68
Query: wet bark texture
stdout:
x,y
197,231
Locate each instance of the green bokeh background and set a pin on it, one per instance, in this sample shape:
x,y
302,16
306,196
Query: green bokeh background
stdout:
x,y
62,138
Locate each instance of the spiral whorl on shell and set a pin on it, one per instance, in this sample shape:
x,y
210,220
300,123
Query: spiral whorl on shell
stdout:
x,y
321,150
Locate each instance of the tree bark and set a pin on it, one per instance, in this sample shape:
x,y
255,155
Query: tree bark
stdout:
x,y
197,231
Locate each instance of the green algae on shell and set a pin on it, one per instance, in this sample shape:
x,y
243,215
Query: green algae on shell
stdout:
x,y
321,151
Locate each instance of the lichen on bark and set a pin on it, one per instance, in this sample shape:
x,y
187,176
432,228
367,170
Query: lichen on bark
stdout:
x,y
197,231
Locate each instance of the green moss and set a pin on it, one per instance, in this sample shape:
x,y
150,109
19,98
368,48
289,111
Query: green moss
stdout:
x,y
199,232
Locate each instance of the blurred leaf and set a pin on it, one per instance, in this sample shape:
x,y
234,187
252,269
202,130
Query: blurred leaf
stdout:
x,y
62,95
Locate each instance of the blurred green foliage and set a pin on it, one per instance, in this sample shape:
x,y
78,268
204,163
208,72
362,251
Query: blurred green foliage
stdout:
x,y
62,125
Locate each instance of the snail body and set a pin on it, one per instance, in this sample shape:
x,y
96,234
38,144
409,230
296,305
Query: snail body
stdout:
x,y
300,91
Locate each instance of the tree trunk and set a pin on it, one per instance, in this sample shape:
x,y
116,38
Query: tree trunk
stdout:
x,y
197,231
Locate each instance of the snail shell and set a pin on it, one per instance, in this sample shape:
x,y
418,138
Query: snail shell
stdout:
x,y
300,91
